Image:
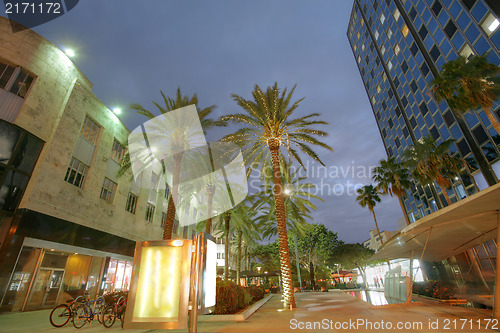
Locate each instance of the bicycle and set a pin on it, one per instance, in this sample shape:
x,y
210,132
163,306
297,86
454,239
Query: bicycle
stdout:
x,y
61,314
113,311
87,311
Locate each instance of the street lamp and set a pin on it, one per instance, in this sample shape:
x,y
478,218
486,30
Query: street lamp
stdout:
x,y
338,271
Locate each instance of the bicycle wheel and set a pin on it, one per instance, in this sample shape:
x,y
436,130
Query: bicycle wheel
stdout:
x,y
108,316
81,316
60,315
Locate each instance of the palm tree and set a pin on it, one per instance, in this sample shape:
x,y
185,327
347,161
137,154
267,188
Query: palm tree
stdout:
x,y
393,178
172,104
431,162
267,126
368,197
467,84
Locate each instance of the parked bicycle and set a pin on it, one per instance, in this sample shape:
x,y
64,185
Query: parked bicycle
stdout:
x,y
61,314
114,311
86,311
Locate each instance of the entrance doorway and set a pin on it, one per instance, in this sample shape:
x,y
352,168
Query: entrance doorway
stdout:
x,y
48,281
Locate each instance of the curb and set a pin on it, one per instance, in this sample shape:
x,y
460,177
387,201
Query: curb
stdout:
x,y
239,316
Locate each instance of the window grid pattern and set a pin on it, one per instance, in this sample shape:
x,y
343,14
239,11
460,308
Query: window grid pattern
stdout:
x,y
131,204
15,79
117,151
90,130
150,212
410,74
77,171
108,190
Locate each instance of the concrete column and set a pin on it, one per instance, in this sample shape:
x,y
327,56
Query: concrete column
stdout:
x,y
496,300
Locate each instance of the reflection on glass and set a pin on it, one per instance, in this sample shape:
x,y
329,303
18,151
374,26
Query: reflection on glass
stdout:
x,y
8,139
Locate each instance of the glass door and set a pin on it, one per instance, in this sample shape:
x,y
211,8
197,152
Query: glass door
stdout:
x,y
46,288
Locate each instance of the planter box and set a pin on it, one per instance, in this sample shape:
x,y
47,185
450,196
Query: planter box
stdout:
x,y
238,316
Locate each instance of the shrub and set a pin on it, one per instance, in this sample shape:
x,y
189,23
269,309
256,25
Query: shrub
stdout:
x,y
434,289
323,285
230,297
256,293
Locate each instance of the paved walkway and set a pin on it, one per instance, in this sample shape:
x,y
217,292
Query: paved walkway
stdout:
x,y
334,311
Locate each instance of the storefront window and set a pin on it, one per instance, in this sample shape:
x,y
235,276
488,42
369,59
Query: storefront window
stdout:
x,y
118,275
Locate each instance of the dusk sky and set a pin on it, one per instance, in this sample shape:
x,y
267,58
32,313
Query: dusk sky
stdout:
x,y
130,50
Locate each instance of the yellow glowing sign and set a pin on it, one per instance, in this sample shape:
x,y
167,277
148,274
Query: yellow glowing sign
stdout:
x,y
159,291
159,284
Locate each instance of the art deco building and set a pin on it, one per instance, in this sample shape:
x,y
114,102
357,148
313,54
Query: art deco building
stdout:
x,y
68,223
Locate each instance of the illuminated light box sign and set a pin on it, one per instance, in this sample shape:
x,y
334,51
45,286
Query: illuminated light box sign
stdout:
x,y
209,275
159,290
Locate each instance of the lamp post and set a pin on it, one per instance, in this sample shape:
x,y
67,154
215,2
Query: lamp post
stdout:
x,y
338,272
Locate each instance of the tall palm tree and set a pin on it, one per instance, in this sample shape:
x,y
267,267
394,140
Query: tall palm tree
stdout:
x,y
267,127
171,104
368,197
467,84
393,178
431,162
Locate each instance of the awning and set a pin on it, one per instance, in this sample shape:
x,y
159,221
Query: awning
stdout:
x,y
449,231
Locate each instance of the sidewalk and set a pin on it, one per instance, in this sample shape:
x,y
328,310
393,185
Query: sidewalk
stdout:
x,y
335,311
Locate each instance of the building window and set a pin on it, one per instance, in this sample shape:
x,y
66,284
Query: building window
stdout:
x,y
404,30
15,79
382,18
376,35
382,49
389,33
131,203
490,24
389,65
150,212
466,51
117,151
397,49
90,130
396,15
108,190
450,29
436,7
163,219
77,171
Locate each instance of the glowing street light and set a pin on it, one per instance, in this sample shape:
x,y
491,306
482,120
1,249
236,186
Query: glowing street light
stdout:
x,y
69,52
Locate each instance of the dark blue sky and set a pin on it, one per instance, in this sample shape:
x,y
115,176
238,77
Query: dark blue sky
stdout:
x,y
131,50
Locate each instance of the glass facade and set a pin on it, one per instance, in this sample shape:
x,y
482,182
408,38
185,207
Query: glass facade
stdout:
x,y
399,47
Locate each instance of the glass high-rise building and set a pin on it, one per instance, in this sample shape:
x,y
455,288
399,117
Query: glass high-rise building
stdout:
x,y
399,47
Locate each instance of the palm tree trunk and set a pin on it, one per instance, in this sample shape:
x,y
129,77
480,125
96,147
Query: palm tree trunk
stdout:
x,y
169,222
208,225
227,219
376,225
405,214
245,258
238,263
286,272
491,117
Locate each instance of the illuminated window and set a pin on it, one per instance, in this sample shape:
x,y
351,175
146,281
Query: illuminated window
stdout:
x,y
396,14
117,151
389,65
466,51
384,77
131,205
382,18
362,47
397,49
389,33
108,190
376,35
382,49
90,130
357,34
362,22
490,24
378,88
374,100
355,47
404,30
150,212
359,59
